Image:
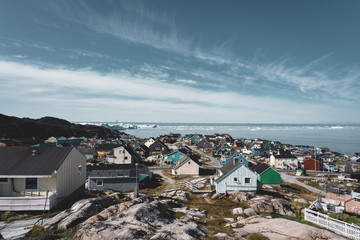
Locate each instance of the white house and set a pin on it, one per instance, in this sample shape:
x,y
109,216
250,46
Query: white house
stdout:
x,y
38,178
123,155
284,160
234,176
149,142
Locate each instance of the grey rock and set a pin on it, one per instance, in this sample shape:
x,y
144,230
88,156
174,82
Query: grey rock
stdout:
x,y
237,211
249,212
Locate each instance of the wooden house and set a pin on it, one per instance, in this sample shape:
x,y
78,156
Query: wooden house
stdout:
x,y
265,174
312,164
186,167
195,139
235,176
234,155
149,142
123,155
158,147
38,178
204,144
116,177
284,160
172,158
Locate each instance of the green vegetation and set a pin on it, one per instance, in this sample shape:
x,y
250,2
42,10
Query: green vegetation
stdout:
x,y
14,216
178,214
346,218
39,233
256,236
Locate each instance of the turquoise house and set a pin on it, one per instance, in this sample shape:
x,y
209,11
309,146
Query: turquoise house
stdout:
x,y
195,139
234,156
173,158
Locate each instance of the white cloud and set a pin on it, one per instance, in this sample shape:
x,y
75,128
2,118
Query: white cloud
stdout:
x,y
187,81
143,98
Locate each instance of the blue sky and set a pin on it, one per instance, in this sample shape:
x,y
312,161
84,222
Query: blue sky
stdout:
x,y
181,61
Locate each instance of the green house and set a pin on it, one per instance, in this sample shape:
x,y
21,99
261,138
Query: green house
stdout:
x,y
195,139
265,174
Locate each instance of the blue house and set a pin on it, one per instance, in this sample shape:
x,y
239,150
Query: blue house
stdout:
x,y
234,155
173,157
263,150
235,177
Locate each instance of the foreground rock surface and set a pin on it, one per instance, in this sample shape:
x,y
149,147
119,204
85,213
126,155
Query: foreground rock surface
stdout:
x,y
282,229
140,218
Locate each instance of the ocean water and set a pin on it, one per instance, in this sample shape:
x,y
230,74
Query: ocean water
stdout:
x,y
343,138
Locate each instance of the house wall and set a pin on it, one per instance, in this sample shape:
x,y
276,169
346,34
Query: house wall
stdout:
x,y
309,164
17,185
121,156
149,142
116,184
270,176
188,168
68,177
228,183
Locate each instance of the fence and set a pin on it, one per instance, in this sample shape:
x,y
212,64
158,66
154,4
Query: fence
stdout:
x,y
345,229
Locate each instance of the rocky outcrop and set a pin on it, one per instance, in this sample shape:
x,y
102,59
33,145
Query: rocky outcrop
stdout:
x,y
268,205
281,229
241,196
175,194
200,182
144,217
249,212
79,212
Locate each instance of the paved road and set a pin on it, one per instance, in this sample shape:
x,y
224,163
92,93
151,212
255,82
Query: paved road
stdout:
x,y
213,161
166,179
292,179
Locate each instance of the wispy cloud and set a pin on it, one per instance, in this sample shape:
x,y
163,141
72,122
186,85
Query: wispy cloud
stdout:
x,y
124,91
187,81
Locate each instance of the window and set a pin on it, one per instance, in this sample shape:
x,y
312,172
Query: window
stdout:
x,y
99,182
248,180
31,183
189,162
79,169
125,158
241,160
4,180
235,179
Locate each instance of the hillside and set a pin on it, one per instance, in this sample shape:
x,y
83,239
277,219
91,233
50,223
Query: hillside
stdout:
x,y
43,128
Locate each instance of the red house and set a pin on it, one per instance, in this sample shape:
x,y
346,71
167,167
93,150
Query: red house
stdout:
x,y
311,164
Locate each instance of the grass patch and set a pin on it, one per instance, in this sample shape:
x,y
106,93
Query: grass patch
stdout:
x,y
39,233
16,216
256,236
178,215
346,218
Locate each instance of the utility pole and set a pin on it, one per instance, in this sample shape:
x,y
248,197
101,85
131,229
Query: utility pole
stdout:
x,y
136,191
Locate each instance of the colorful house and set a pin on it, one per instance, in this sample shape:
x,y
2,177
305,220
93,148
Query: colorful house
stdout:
x,y
173,157
265,174
195,139
234,156
204,144
312,164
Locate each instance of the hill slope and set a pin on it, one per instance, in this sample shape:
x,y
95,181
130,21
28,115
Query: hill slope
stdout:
x,y
13,127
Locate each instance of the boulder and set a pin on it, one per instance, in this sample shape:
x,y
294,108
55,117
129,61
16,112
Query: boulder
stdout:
x,y
141,218
283,208
80,211
176,194
237,211
242,196
249,212
191,211
301,200
200,182
262,206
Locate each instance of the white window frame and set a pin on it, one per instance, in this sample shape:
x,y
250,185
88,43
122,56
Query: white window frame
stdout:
x,y
7,181
247,178
29,190
102,182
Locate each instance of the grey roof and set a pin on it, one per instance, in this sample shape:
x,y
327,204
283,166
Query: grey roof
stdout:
x,y
284,154
260,168
116,173
229,167
182,161
22,161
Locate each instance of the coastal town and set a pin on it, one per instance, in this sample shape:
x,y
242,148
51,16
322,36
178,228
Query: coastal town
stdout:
x,y
176,187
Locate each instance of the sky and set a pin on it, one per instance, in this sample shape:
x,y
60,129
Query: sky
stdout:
x,y
203,61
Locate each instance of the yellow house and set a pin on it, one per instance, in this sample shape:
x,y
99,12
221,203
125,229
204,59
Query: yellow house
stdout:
x,y
38,178
186,166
